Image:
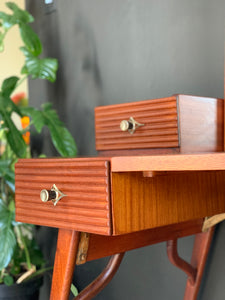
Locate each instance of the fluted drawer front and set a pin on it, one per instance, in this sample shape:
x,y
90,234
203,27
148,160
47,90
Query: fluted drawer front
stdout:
x,y
85,182
160,129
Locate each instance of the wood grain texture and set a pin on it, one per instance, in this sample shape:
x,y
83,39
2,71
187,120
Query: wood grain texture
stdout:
x,y
175,162
139,203
85,182
102,246
64,264
200,124
195,124
158,115
132,152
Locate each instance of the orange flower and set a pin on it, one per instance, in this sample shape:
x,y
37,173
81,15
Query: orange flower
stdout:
x,y
18,97
25,122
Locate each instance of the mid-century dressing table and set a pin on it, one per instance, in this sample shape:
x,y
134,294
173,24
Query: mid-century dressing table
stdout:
x,y
159,176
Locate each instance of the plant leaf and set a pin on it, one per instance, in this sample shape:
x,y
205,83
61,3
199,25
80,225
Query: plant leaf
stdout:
x,y
62,140
74,290
4,214
30,39
6,172
7,20
61,137
36,256
13,135
19,15
44,68
8,280
7,106
9,85
8,242
36,116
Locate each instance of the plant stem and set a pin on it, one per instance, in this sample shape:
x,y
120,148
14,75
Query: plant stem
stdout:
x,y
27,254
21,80
3,191
39,272
2,38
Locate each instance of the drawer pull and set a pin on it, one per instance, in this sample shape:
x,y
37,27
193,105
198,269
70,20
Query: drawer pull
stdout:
x,y
54,194
131,125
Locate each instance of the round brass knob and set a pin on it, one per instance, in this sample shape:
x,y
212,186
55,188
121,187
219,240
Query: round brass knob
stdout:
x,y
47,195
125,125
131,125
54,194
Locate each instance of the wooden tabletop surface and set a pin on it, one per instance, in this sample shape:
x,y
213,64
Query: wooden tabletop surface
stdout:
x,y
171,162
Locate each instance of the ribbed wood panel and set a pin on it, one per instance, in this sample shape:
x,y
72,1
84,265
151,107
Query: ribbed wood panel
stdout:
x,y
85,182
159,117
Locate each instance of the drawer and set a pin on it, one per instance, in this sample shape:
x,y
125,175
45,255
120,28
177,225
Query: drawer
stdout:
x,y
159,130
120,195
181,123
85,182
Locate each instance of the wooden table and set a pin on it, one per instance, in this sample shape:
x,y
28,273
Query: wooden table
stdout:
x,y
157,183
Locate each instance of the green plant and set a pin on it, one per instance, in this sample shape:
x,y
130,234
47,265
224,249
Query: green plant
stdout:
x,y
20,257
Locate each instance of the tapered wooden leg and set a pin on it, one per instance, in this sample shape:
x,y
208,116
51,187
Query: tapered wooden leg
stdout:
x,y
198,261
102,280
65,258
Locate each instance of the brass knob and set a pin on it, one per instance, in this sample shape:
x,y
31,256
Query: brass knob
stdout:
x,y
54,194
125,125
47,195
131,125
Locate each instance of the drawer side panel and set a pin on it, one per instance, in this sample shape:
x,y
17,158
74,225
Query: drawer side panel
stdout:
x,y
85,182
141,203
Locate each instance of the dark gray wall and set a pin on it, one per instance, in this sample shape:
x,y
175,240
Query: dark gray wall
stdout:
x,y
119,51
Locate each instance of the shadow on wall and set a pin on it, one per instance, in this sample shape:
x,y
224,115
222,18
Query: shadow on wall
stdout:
x,y
85,92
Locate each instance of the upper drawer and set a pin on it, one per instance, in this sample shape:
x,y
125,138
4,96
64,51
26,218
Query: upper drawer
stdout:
x,y
85,182
159,117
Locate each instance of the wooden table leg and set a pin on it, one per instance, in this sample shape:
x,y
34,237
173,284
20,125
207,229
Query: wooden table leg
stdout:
x,y
102,280
65,258
198,261
195,269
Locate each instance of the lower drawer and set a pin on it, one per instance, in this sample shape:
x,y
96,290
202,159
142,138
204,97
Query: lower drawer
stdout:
x,y
85,182
103,198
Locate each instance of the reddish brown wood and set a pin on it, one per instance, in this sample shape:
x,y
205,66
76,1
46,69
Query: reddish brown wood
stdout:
x,y
175,162
102,280
101,246
198,261
132,152
65,258
85,182
200,124
162,203
178,262
140,203
163,118
159,117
